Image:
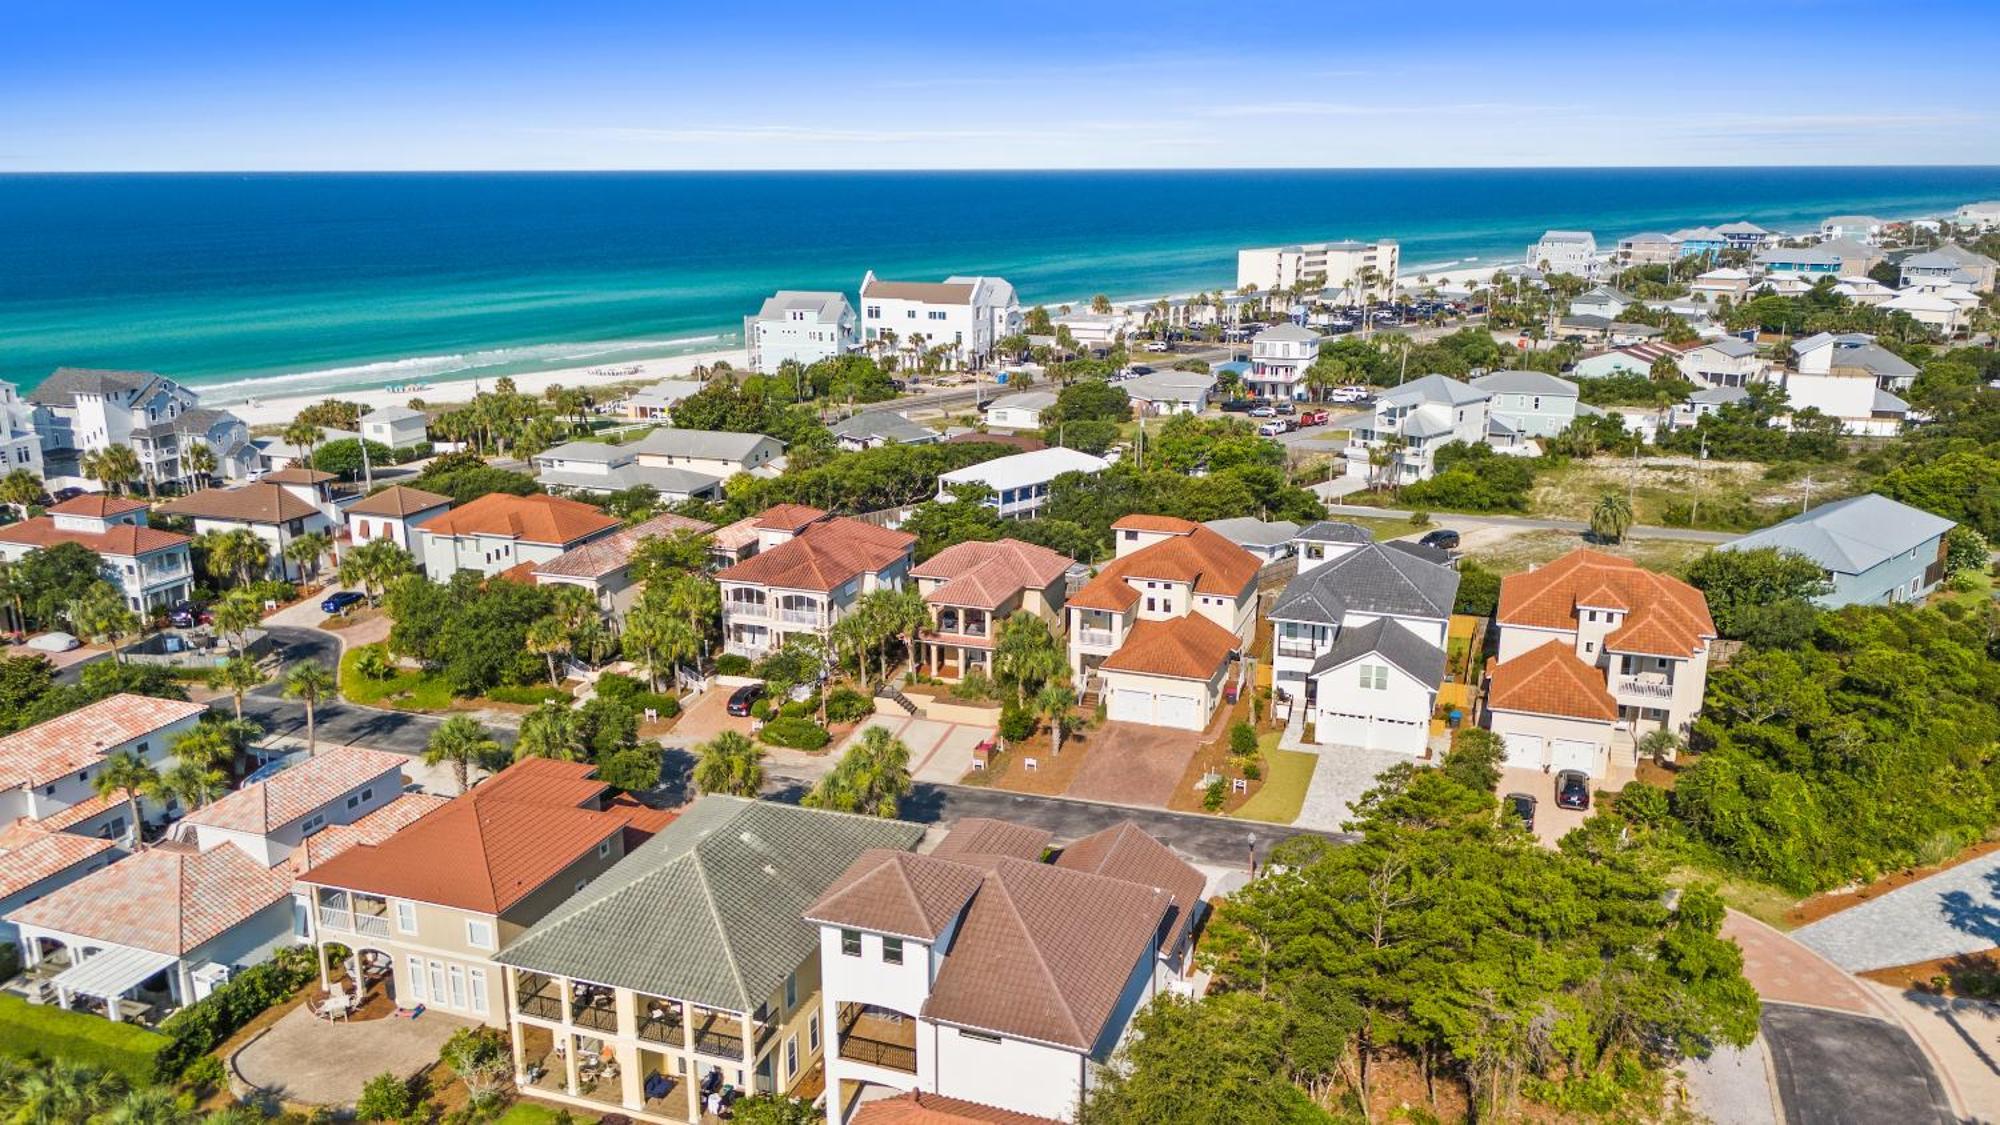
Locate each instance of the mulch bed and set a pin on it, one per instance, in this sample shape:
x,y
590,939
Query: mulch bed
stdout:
x,y
1828,903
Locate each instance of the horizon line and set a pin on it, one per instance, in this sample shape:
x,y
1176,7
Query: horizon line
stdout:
x,y
981,169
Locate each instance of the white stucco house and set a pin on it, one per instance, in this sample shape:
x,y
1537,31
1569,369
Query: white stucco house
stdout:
x,y
271,818
394,513
397,427
1170,392
278,509
1279,356
48,772
1852,378
1020,411
150,566
1565,251
965,315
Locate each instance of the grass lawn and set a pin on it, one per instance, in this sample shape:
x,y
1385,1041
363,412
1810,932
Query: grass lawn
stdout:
x,y
1762,901
1572,490
44,1029
527,1112
406,690
1979,590
1513,552
1283,794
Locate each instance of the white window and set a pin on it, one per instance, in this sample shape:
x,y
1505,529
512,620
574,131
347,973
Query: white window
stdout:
x,y
406,917
812,1032
1375,677
437,982
478,933
416,979
458,987
477,978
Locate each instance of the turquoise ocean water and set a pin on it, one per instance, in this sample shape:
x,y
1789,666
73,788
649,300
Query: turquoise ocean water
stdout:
x,y
290,283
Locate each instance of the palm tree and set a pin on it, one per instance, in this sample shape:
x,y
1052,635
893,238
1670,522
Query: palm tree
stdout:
x,y
240,554
1610,519
114,466
550,731
461,741
100,613
239,676
729,763
854,634
61,1092
373,565
307,436
1026,655
309,550
208,745
194,785
309,682
1057,703
14,592
20,490
871,778
198,460
235,615
549,638
126,773
147,1105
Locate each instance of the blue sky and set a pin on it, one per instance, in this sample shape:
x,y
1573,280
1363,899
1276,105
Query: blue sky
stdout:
x,y
91,85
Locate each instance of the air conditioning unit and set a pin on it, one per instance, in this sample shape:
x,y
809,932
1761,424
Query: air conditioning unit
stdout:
x,y
210,976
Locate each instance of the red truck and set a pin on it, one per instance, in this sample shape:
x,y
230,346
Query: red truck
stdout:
x,y
1313,418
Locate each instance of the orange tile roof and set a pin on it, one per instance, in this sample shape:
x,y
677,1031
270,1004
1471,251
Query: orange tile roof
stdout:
x,y
788,517
823,557
1183,648
69,742
31,854
987,575
299,474
165,900
397,501
605,555
261,502
1667,616
1195,555
374,828
552,520
305,788
1140,521
100,505
1549,680
124,540
919,1108
488,849
63,820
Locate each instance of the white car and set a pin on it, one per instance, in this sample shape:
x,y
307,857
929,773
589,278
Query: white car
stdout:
x,y
53,642
1347,394
1272,428
1263,412
1158,346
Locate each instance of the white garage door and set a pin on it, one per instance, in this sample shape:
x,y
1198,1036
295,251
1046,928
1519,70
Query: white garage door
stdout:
x,y
1335,729
1128,706
1524,751
1569,754
1178,711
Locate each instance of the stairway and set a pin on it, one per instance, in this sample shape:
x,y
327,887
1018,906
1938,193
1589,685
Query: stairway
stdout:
x,y
895,695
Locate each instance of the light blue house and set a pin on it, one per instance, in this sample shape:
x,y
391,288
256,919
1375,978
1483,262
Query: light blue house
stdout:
x,y
1696,241
1807,261
1874,550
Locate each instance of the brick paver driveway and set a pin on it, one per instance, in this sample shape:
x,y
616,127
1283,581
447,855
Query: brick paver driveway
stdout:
x,y
1133,764
308,1060
707,717
1954,911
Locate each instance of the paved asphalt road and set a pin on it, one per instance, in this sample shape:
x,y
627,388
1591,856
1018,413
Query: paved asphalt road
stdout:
x,y
1834,1068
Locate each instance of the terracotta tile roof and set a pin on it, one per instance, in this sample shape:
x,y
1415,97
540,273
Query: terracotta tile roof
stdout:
x,y
892,892
30,854
1195,555
299,474
788,517
1126,853
305,788
823,557
397,501
100,505
261,502
1045,953
552,520
606,555
736,536
978,836
919,1108
163,899
487,849
1549,680
374,828
123,540
1667,615
94,805
1184,648
987,575
67,743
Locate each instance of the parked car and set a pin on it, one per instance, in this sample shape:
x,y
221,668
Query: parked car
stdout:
x,y
1284,406
1572,790
187,615
62,494
1444,539
1238,406
1273,428
1263,412
53,642
1158,346
1523,806
1348,394
741,699
1313,418
338,601
1138,369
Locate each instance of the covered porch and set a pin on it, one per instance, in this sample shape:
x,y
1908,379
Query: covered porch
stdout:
x,y
578,1069
119,982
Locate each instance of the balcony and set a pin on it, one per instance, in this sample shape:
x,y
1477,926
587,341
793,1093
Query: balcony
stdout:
x,y
1301,648
813,617
1645,687
353,913
717,1034
878,1037
1096,638
745,611
539,996
660,1021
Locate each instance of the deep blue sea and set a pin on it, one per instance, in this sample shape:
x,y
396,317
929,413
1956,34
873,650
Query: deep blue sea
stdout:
x,y
297,282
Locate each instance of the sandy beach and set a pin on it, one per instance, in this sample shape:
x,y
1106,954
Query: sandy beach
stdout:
x,y
281,409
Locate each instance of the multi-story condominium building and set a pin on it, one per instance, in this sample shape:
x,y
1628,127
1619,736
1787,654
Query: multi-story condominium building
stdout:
x,y
48,772
809,571
1874,550
984,974
278,508
20,445
498,532
1647,248
1852,378
1411,423
1594,652
1017,486
1358,638
1949,264
595,468
965,315
689,966
1565,251
429,906
150,566
1365,269
1158,630
1727,362
1526,405
972,588
79,411
803,327
1279,356
394,514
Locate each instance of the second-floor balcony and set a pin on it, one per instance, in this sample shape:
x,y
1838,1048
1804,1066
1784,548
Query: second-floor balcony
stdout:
x,y
538,995
353,913
878,1037
801,616
1096,638
1644,686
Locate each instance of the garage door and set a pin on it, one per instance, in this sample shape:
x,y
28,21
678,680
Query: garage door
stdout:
x,y
1569,754
1128,706
1178,711
1335,729
1524,751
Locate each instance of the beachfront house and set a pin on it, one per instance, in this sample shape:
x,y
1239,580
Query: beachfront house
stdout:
x,y
397,427
800,327
1279,356
1017,486
394,513
1874,550
1748,236
277,509
809,571
595,468
1565,251
603,566
499,532
971,589
1646,249
1398,443
20,445
1860,228
689,966
151,567
1362,269
80,411
966,316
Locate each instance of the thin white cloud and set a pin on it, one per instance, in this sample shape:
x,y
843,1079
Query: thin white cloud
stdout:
x,y
1360,109
791,134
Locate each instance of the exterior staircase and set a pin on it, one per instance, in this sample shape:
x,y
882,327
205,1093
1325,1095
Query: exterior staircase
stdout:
x,y
895,695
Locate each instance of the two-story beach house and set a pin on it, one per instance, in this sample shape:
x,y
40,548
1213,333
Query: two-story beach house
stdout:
x,y
595,468
972,588
1947,265
270,818
396,427
1399,443
964,315
1159,628
1852,378
499,532
1019,411
395,513
984,973
1017,486
603,566
809,571
48,772
1728,362
1526,405
150,566
1874,550
800,327
1595,651
278,509
689,965
1279,356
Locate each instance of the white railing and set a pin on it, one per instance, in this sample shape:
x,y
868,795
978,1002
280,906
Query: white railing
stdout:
x,y
802,617
745,611
1098,638
1651,689
374,924
331,918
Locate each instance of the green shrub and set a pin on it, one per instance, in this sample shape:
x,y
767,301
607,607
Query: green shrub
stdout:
x,y
385,1097
731,664
796,733
532,696
46,1030
204,1076
1252,771
760,708
1017,723
618,687
1242,740
1216,793
373,662
195,1030
633,770
666,706
799,708
845,705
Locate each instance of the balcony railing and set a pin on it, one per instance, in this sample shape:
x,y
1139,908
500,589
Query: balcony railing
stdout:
x,y
373,924
661,1029
540,1006
801,617
893,1056
1297,648
718,1044
333,918
595,1018
746,611
1651,689
1098,638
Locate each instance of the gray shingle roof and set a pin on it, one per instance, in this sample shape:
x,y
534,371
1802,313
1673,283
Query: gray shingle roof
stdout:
x,y
716,444
1422,661
1333,531
710,909
1433,388
1287,332
1249,530
664,478
62,387
1369,580
882,425
1525,383
1851,535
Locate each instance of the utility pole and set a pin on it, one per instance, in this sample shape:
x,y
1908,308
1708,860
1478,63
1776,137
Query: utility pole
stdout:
x,y
367,470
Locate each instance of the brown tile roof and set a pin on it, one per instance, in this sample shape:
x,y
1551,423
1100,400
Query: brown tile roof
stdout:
x,y
736,536
374,828
891,892
1141,521
1549,680
487,849
978,836
1667,617
823,557
919,1108
101,505
552,520
1184,648
606,555
788,517
31,853
162,899
1126,853
299,474
69,742
123,540
261,502
397,501
987,575
929,292
1045,953
1195,554
289,794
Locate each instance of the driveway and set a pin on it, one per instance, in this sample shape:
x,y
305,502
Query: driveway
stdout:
x,y
1952,912
1134,764
311,1061
1341,776
1834,1068
939,752
707,717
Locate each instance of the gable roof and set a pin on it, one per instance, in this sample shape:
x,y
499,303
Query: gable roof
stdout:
x,y
166,900
882,425
259,502
711,909
1129,854
978,836
124,540
551,520
1334,531
399,501
1287,332
985,575
928,292
1849,536
899,893
65,383
67,743
30,853
1243,530
1369,579
1190,647
374,828
1525,382
264,806
1192,554
97,505
1382,637
1664,614
823,557
1017,470
1433,388
717,445
1549,680
607,554
299,474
